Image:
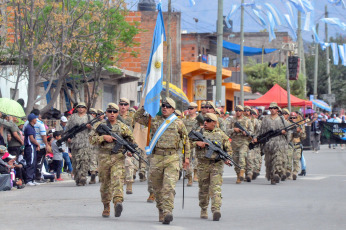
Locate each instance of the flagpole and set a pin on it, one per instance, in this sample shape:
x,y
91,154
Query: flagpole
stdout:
x,y
169,49
148,134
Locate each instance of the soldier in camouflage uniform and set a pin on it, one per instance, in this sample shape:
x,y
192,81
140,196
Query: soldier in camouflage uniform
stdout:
x,y
298,135
240,142
111,165
210,170
289,153
164,162
80,146
131,164
212,109
256,152
275,148
200,117
249,159
94,149
190,123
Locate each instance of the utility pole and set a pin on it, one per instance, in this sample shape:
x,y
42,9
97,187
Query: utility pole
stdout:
x,y
288,48
301,50
316,65
242,54
169,49
327,53
219,53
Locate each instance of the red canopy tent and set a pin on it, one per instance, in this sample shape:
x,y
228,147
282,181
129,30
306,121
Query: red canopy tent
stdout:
x,y
279,95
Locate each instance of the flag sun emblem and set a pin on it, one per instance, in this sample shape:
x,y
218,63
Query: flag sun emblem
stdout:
x,y
157,64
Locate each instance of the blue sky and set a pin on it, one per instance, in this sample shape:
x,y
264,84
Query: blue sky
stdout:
x,y
206,13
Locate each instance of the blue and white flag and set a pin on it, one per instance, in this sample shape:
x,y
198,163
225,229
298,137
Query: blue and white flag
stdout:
x,y
259,18
271,27
192,2
234,8
289,23
307,22
338,3
342,54
344,64
316,38
324,45
303,6
290,10
335,22
275,13
334,47
153,79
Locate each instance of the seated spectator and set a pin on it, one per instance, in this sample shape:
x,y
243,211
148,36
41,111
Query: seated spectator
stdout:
x,y
57,155
5,168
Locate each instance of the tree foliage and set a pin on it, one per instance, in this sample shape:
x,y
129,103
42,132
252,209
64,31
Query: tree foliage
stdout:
x,y
262,78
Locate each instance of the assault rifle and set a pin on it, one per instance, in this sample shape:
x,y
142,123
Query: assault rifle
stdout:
x,y
213,146
103,129
265,137
238,125
71,133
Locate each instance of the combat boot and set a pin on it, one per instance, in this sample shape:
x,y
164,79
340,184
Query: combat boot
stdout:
x,y
216,215
93,178
82,182
106,210
189,183
129,188
142,177
288,174
204,213
238,179
118,208
151,198
254,175
195,177
283,177
294,177
168,218
241,174
180,174
160,215
249,178
276,178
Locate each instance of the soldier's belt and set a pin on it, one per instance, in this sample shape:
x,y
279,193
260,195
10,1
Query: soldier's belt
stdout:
x,y
165,152
209,161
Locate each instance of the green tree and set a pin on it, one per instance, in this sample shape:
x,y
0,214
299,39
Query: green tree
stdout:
x,y
262,78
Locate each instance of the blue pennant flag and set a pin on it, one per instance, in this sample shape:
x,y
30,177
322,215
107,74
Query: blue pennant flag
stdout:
x,y
317,39
234,8
192,2
334,21
290,26
271,27
334,47
275,13
153,79
342,54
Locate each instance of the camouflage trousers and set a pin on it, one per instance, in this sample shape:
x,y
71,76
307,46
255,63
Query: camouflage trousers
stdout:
x,y
131,166
289,161
297,154
111,174
274,162
93,159
239,154
249,159
209,183
164,173
193,163
81,159
150,183
257,160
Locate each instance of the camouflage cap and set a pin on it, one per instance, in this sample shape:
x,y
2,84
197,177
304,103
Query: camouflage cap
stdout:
x,y
218,111
280,109
132,110
247,107
274,104
211,116
286,111
239,107
112,106
123,99
255,111
203,103
193,104
170,101
177,112
92,110
100,111
81,104
211,103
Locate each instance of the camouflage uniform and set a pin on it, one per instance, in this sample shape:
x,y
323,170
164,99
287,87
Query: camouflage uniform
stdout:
x,y
111,165
191,124
256,152
131,164
275,148
164,162
80,148
297,137
240,143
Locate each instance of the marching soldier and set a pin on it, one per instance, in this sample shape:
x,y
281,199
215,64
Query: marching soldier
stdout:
x,y
256,152
164,162
80,146
240,142
289,153
249,159
93,160
212,109
275,148
190,123
111,165
210,170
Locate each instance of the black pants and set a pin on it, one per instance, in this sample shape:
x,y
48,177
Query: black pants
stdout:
x,y
30,158
40,159
57,165
20,173
15,151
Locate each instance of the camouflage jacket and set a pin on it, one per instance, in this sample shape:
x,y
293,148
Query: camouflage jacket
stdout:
x,y
275,143
172,136
245,123
190,123
256,124
128,119
81,140
216,135
119,128
297,137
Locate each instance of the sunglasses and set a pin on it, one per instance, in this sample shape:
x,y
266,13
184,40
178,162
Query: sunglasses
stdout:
x,y
123,104
166,106
285,113
246,110
93,113
209,107
208,120
81,107
112,111
237,110
293,117
191,108
273,107
203,107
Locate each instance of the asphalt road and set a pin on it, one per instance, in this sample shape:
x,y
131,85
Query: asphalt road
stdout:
x,y
316,201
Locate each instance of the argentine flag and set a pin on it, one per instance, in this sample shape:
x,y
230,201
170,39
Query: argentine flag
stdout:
x,y
153,79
